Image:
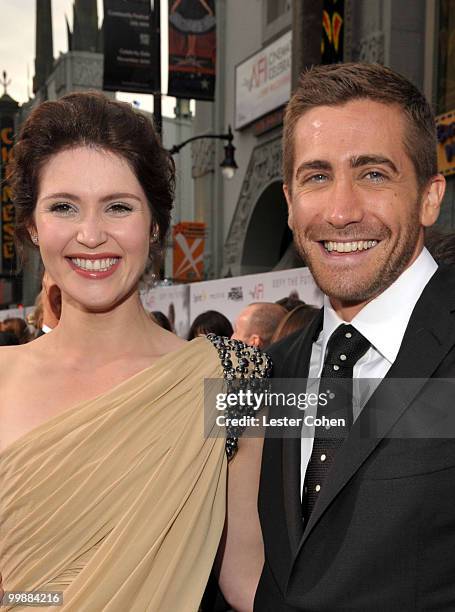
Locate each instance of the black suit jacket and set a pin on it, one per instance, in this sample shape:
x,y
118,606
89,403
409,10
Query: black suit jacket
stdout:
x,y
381,536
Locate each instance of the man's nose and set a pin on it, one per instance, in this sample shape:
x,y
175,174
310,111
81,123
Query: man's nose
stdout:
x,y
91,232
344,204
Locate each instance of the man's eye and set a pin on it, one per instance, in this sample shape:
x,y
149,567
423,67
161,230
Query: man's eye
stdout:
x,y
375,176
62,208
317,178
119,208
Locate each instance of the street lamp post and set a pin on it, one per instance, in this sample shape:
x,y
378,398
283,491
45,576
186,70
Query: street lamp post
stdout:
x,y
228,165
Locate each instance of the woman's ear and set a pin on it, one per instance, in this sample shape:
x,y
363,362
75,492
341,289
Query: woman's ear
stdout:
x,y
33,234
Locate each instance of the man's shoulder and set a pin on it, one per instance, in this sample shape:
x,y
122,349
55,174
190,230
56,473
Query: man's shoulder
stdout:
x,y
286,354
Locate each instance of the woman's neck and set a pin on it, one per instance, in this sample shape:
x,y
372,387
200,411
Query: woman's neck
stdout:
x,y
100,336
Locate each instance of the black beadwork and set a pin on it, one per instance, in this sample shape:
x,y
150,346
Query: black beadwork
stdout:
x,y
252,364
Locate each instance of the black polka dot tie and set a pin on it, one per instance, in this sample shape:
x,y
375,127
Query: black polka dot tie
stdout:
x,y
344,349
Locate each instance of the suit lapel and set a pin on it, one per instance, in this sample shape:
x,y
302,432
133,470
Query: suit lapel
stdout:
x,y
291,449
429,336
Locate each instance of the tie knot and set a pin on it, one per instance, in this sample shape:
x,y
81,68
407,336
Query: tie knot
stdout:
x,y
345,347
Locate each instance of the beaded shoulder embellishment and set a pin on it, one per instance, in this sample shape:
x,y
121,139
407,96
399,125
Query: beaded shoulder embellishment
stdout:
x,y
242,365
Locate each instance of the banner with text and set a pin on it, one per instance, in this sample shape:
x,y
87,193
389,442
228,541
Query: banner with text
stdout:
x,y
188,254
263,81
129,40
8,253
192,49
231,295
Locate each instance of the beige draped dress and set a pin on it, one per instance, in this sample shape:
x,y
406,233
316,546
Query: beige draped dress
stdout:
x,y
119,502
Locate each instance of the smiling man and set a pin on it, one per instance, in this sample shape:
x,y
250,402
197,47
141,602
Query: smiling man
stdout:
x,y
352,520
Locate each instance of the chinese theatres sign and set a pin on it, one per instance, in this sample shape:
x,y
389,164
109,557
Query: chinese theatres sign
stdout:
x,y
446,143
8,254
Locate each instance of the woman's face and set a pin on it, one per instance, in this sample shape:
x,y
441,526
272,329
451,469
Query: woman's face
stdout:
x,y
93,224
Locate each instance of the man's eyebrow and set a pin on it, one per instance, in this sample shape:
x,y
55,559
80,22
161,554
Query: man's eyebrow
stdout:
x,y
313,164
373,160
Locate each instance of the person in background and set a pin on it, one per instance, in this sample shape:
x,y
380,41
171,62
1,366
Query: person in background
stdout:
x,y
162,320
48,306
256,323
8,339
290,301
210,322
18,327
441,245
298,318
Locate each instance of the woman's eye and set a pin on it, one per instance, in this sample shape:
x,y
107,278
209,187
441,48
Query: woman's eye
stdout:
x,y
62,208
120,208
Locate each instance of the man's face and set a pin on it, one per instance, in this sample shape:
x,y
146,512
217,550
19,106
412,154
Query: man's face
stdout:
x,y
353,203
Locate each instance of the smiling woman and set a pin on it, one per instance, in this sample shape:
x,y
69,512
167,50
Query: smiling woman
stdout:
x,y
109,490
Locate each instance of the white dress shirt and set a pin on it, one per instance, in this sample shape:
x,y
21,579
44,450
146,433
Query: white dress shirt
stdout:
x,y
383,322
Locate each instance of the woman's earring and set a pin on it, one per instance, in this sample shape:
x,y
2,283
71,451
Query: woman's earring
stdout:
x,y
154,237
35,239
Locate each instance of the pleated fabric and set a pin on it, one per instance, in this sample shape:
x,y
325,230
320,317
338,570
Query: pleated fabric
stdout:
x,y
119,502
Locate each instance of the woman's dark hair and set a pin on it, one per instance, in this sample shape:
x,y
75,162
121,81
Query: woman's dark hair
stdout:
x,y
8,338
298,318
161,319
90,119
18,327
210,322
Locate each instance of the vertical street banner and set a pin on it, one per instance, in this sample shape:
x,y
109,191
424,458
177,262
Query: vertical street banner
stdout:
x,y
8,253
188,254
192,49
130,63
332,32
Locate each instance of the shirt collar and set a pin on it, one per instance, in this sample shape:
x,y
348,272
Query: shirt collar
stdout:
x,y
383,321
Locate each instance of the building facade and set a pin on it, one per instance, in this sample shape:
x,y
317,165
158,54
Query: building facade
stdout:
x,y
247,216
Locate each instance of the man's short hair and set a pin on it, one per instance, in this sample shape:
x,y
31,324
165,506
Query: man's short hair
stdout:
x,y
336,84
264,319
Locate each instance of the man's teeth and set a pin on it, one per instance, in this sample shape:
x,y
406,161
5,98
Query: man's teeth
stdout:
x,y
95,265
348,247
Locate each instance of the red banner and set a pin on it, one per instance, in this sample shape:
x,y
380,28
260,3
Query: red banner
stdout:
x,y
192,49
189,242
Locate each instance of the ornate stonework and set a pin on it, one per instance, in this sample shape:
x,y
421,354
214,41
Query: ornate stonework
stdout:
x,y
263,169
202,157
372,48
88,71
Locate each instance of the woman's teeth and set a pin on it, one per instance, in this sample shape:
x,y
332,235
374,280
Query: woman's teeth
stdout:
x,y
95,265
348,247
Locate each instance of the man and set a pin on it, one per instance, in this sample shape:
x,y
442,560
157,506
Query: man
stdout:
x,y
376,531
256,323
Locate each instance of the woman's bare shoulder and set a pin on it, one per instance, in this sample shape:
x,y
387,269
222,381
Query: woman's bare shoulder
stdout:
x,y
15,357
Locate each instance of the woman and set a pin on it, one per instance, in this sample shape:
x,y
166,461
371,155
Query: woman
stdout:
x,y
109,489
210,322
297,318
18,327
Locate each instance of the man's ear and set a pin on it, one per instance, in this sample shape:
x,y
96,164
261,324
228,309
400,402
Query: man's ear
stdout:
x,y
254,340
287,195
431,200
